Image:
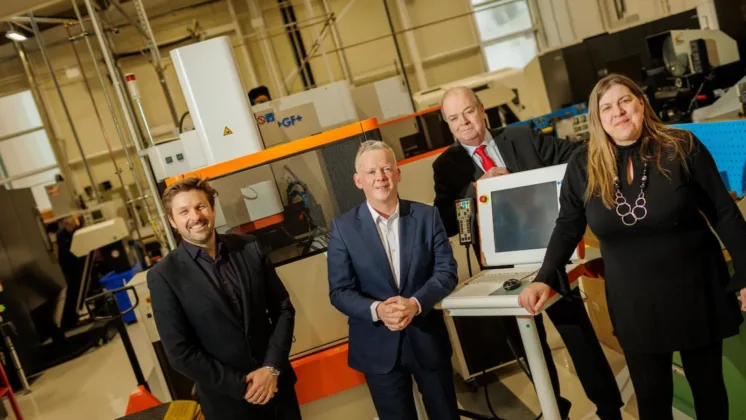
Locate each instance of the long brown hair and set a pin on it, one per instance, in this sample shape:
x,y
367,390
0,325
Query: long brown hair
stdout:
x,y
659,141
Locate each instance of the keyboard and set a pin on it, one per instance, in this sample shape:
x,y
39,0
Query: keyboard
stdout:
x,y
503,276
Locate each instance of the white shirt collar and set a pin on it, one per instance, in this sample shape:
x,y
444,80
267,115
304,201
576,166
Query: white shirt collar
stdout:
x,y
487,139
377,215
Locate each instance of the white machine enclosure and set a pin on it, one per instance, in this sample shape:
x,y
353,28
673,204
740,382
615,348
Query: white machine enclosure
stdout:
x,y
217,100
262,199
484,202
721,48
193,150
168,159
333,104
522,90
93,237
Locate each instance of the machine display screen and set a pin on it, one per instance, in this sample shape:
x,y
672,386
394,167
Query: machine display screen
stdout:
x,y
524,217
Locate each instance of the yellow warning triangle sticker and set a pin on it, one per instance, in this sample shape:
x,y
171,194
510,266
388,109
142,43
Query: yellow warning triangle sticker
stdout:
x,y
227,131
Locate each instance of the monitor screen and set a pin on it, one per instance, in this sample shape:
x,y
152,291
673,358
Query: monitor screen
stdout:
x,y
523,217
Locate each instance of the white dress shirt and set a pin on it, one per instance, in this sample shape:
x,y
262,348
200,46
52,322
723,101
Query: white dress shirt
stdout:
x,y
491,149
388,231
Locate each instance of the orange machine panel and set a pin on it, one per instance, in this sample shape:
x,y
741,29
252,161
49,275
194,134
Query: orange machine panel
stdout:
x,y
325,373
278,152
260,224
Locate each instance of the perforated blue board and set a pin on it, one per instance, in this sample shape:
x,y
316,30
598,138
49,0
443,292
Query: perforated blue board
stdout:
x,y
540,123
726,141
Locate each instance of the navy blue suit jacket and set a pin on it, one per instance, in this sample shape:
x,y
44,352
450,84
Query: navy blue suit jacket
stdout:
x,y
360,274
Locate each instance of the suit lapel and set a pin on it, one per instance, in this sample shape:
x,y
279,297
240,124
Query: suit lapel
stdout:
x,y
372,239
407,233
243,271
193,272
464,163
506,148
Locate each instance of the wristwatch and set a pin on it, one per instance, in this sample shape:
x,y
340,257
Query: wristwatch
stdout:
x,y
273,371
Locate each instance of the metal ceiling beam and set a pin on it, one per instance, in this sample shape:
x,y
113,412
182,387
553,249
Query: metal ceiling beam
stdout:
x,y
43,20
10,8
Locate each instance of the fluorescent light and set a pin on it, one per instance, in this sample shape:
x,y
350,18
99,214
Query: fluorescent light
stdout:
x,y
15,35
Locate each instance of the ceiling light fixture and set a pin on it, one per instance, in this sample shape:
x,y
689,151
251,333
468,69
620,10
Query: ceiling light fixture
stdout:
x,y
15,35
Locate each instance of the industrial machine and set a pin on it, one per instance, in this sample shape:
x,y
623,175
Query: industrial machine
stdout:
x,y
103,246
516,216
731,105
35,294
508,95
689,68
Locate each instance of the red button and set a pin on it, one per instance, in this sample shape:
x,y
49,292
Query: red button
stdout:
x,y
483,199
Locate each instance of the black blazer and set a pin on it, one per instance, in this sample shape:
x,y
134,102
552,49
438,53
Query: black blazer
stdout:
x,y
205,340
521,148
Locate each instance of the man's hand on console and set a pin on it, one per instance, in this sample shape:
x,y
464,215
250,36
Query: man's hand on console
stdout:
x,y
496,171
533,297
261,386
742,298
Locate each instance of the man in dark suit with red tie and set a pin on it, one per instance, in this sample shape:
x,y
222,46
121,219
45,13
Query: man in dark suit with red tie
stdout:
x,y
480,153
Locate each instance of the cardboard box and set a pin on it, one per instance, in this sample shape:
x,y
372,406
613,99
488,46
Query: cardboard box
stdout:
x,y
598,311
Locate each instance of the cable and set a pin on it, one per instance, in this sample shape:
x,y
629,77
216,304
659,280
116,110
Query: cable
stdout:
x,y
487,398
468,258
181,122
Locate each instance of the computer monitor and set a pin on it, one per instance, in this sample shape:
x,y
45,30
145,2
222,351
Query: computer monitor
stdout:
x,y
517,214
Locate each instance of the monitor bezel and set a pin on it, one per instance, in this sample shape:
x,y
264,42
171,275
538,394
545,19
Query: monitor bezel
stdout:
x,y
485,188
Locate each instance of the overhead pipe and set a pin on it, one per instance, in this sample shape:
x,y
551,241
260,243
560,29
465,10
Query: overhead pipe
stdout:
x,y
312,15
421,126
326,30
267,49
118,128
337,41
242,43
414,52
117,169
143,18
130,125
37,35
296,40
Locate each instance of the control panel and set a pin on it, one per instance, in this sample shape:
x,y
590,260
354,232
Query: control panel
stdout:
x,y
465,217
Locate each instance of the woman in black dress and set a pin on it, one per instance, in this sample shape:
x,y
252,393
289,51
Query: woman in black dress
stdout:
x,y
648,192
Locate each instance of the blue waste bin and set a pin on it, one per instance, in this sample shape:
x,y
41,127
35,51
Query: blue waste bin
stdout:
x,y
113,281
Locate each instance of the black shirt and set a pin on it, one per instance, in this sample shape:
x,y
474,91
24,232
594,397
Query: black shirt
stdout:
x,y
667,283
221,272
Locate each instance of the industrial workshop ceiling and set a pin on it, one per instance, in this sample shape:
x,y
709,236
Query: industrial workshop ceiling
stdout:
x,y
47,13
53,13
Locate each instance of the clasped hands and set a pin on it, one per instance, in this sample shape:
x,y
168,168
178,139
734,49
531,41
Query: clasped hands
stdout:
x,y
261,386
397,312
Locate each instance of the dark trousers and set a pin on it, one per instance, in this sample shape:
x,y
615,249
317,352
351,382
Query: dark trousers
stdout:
x,y
571,320
283,406
392,392
653,382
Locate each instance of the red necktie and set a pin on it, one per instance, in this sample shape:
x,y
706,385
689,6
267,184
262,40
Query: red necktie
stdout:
x,y
487,162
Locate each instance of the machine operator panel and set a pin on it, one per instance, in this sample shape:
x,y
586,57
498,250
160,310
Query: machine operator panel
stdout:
x,y
464,215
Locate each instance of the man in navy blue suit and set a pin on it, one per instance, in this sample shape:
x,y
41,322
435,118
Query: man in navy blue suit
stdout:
x,y
390,262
